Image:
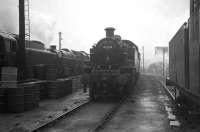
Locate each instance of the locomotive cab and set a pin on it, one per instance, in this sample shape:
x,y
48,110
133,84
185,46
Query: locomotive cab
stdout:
x,y
8,47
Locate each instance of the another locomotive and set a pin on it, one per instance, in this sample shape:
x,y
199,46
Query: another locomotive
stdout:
x,y
65,62
114,64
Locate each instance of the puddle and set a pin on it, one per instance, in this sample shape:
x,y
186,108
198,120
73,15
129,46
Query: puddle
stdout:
x,y
175,123
168,109
171,116
163,97
146,127
147,103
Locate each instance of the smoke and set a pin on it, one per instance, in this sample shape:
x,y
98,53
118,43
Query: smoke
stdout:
x,y
9,16
42,27
7,24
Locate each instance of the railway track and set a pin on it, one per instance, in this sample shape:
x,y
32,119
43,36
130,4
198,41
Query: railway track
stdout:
x,y
64,115
107,117
89,117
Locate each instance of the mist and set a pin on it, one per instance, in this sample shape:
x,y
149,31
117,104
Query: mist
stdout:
x,y
148,23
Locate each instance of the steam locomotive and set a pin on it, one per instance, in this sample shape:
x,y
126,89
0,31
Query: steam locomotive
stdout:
x,y
67,62
115,64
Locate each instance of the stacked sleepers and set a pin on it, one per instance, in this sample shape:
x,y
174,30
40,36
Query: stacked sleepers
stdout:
x,y
31,95
26,96
2,100
59,88
18,99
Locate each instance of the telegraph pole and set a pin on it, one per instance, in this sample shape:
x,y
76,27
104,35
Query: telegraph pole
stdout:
x,y
21,62
143,57
163,63
60,39
163,50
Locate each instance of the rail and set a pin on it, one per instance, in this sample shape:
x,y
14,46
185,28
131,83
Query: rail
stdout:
x,y
51,122
108,116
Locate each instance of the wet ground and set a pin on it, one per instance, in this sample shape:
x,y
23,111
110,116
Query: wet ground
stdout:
x,y
83,120
189,118
48,110
149,109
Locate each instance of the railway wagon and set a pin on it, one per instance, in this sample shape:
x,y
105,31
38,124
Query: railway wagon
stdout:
x,y
114,66
184,59
178,58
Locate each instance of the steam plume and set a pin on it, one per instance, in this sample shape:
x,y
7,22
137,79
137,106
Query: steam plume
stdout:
x,y
8,16
42,27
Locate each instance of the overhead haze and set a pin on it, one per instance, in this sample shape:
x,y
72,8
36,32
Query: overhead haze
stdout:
x,y
147,23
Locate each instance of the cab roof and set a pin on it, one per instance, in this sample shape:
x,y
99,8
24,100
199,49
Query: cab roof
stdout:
x,y
7,36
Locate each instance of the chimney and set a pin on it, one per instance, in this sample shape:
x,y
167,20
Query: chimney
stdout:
x,y
110,32
53,48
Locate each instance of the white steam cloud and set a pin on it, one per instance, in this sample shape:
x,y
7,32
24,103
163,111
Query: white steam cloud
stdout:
x,y
42,27
8,18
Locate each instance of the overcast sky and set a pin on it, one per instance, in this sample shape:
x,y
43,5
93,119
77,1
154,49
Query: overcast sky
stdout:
x,y
147,23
